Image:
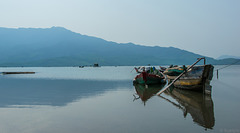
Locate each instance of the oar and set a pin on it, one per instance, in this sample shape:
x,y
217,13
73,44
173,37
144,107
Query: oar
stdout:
x,y
159,93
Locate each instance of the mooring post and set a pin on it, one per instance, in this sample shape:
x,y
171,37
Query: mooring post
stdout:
x,y
217,73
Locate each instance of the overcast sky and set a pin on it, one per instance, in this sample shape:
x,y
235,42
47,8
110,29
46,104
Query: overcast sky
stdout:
x,y
206,27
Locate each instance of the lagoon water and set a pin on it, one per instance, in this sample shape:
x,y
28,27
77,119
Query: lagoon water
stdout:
x,y
104,100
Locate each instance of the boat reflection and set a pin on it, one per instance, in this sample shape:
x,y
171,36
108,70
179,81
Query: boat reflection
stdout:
x,y
144,93
198,105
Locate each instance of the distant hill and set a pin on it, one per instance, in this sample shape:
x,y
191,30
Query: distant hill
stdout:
x,y
227,57
58,46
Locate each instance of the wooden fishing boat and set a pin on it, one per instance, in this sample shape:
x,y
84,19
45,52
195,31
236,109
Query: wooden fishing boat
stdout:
x,y
150,78
195,79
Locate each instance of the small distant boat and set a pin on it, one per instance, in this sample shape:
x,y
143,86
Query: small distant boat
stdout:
x,y
194,79
96,65
18,73
152,77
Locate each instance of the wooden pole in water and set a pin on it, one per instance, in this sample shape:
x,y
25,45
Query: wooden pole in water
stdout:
x,y
178,77
217,73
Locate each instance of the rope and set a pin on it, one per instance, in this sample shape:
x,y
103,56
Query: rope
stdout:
x,y
228,65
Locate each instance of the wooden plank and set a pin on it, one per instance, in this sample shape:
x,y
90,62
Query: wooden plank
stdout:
x,y
18,72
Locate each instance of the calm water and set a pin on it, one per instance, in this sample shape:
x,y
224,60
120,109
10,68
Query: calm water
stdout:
x,y
103,100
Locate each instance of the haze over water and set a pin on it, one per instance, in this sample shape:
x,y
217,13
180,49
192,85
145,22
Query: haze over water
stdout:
x,y
87,100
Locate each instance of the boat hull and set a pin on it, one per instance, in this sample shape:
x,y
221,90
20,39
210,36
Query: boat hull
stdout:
x,y
198,78
149,79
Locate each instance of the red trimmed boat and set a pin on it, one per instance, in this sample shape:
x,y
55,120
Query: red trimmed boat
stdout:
x,y
149,78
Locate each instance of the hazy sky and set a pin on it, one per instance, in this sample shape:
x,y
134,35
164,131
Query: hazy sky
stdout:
x,y
207,27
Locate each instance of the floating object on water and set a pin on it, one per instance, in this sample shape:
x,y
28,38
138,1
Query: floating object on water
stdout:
x,y
96,65
18,72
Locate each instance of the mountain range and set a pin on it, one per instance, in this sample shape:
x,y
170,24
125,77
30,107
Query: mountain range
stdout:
x,y
58,46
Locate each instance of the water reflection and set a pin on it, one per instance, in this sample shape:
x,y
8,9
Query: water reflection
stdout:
x,y
146,93
28,92
195,103
198,105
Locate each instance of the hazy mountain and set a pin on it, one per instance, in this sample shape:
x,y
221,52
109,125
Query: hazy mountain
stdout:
x,y
58,46
227,57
